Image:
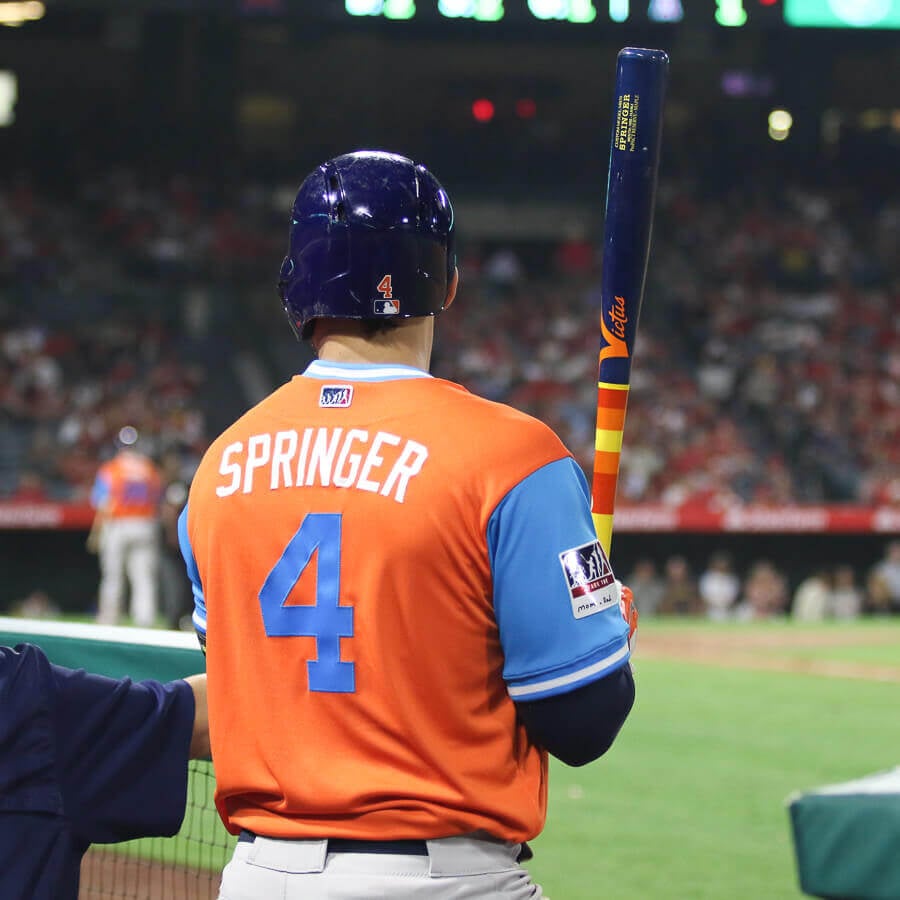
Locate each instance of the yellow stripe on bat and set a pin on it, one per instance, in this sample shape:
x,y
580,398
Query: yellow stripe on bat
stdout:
x,y
608,441
603,525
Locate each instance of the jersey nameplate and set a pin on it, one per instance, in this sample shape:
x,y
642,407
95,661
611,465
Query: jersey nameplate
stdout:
x,y
378,462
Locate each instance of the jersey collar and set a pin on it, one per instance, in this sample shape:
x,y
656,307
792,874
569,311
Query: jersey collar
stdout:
x,y
325,369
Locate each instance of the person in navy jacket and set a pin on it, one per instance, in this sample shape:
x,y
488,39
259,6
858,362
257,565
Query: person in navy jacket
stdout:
x,y
87,759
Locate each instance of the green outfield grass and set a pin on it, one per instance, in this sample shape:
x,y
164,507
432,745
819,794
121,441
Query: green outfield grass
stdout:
x,y
877,655
779,626
690,802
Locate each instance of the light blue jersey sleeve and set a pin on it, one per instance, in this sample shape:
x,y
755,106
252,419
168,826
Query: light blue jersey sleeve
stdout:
x,y
554,597
100,491
184,542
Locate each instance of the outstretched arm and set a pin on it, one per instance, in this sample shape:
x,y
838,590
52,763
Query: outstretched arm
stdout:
x,y
200,737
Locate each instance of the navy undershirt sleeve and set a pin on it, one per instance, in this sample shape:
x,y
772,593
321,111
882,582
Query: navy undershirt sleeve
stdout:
x,y
580,726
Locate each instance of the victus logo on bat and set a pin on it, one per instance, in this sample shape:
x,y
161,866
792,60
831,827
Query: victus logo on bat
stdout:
x,y
614,333
589,578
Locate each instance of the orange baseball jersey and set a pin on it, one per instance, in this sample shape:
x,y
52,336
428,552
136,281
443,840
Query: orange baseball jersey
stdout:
x,y
383,563
128,486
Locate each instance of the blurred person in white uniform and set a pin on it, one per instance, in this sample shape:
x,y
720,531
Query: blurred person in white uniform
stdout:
x,y
125,533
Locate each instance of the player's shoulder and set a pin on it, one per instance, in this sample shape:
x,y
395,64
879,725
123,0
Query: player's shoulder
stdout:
x,y
498,425
502,414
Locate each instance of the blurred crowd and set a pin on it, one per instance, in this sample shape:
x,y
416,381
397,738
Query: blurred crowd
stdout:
x,y
106,305
767,367
718,591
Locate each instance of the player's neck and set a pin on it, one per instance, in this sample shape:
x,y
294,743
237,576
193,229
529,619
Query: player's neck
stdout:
x,y
407,345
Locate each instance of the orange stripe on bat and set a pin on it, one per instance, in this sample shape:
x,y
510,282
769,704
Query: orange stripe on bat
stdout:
x,y
603,493
611,398
606,463
611,419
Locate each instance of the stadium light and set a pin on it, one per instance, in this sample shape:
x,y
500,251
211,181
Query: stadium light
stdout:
x,y
665,11
619,10
578,11
482,110
390,9
480,10
9,92
780,122
731,13
14,14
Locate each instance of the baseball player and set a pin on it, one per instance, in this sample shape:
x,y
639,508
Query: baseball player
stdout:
x,y
86,759
398,584
125,533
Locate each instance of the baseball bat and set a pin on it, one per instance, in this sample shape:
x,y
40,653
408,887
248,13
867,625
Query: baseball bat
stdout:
x,y
639,97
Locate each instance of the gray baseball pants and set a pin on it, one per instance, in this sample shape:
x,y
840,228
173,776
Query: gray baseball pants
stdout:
x,y
455,868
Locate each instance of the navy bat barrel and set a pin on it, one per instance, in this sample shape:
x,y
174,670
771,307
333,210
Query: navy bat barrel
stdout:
x,y
636,133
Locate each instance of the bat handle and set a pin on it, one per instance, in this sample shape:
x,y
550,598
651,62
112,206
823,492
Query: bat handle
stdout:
x,y
612,400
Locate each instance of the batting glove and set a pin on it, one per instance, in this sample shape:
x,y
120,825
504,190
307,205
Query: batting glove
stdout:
x,y
629,612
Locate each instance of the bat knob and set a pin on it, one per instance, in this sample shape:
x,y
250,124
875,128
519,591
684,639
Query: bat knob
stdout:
x,y
660,57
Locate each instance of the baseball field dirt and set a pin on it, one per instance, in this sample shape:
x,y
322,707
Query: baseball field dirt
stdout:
x,y
781,650
110,875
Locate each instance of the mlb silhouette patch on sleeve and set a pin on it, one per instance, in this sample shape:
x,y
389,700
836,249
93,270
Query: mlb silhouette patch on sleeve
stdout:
x,y
590,578
336,396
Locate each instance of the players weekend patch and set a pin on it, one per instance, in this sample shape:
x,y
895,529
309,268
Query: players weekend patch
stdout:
x,y
336,396
592,584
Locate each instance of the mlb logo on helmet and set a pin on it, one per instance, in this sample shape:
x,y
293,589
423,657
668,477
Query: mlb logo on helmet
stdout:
x,y
336,396
386,307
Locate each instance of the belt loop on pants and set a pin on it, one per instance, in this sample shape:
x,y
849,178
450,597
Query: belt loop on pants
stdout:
x,y
468,855
287,857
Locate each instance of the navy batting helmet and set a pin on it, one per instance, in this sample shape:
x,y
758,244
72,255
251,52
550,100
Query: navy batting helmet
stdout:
x,y
371,238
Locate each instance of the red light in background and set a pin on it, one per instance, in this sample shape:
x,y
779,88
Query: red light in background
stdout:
x,y
482,110
526,108
767,2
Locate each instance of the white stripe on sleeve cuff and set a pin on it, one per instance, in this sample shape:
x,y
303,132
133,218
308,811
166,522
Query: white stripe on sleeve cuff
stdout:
x,y
199,622
562,681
